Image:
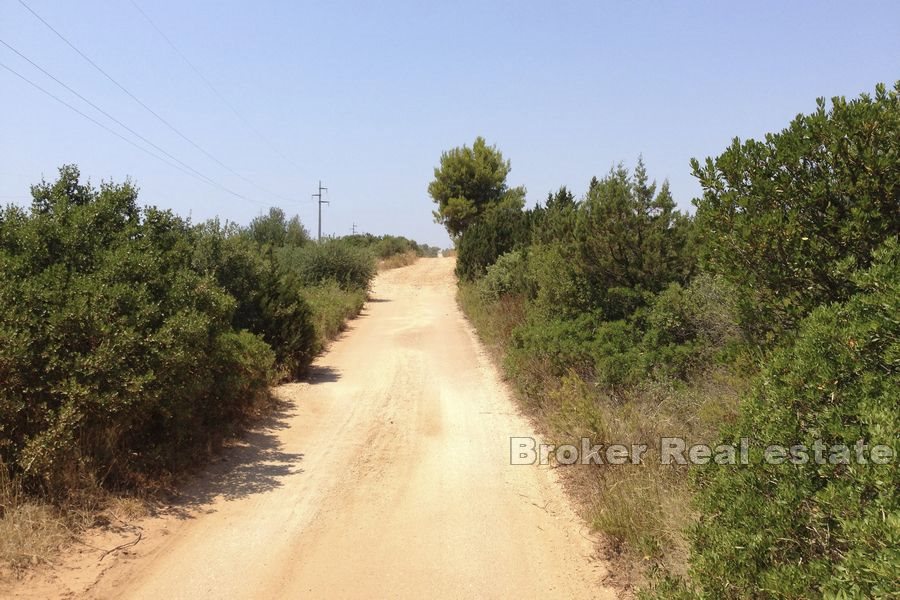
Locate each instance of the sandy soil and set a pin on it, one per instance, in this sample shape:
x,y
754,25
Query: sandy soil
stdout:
x,y
386,475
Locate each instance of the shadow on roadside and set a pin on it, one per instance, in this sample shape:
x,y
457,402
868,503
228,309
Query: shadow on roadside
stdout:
x,y
321,374
254,464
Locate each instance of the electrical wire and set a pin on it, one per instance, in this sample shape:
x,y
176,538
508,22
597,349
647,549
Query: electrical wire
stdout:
x,y
265,140
122,137
147,108
109,116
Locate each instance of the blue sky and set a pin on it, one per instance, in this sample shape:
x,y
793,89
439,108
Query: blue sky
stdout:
x,y
366,95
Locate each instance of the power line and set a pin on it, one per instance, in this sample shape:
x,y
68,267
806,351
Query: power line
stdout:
x,y
147,108
119,135
213,88
320,202
115,120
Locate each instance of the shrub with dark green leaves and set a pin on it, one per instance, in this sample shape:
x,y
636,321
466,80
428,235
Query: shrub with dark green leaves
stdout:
x,y
563,343
116,354
269,297
789,219
822,528
500,228
385,246
630,242
331,260
690,328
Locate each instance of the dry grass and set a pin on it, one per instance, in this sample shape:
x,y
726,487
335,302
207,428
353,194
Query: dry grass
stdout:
x,y
642,510
404,259
34,532
30,532
332,307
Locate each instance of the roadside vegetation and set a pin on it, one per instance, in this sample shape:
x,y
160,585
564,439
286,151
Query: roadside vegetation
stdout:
x,y
133,343
771,314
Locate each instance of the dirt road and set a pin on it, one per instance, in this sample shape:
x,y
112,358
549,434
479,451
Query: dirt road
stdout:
x,y
386,476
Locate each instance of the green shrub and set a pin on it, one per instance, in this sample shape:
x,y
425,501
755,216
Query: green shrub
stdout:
x,y
331,307
287,323
509,275
501,228
563,344
331,260
116,354
617,357
689,328
789,219
269,299
560,289
813,530
630,242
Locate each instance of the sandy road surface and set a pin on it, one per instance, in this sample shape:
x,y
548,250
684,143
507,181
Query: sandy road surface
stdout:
x,y
386,476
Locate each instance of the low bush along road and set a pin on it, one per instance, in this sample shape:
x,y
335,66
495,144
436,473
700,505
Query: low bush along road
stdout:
x,y
386,475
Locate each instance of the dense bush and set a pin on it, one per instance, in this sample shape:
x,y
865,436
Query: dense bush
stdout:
x,y
630,242
560,289
331,260
130,340
686,329
563,343
386,246
269,300
789,219
808,530
508,275
501,228
115,353
331,307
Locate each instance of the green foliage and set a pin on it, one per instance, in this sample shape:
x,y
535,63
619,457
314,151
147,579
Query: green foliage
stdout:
x,y
617,355
687,329
130,341
331,307
269,299
790,218
560,289
331,260
501,228
630,240
555,220
561,344
115,353
508,275
813,530
276,230
467,181
630,317
386,246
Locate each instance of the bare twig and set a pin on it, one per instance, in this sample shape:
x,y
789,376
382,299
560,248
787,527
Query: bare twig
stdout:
x,y
123,546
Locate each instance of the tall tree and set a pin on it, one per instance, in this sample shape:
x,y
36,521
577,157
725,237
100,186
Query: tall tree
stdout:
x,y
631,240
467,181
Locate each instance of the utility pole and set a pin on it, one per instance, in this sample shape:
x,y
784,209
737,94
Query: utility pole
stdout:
x,y
354,229
321,202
